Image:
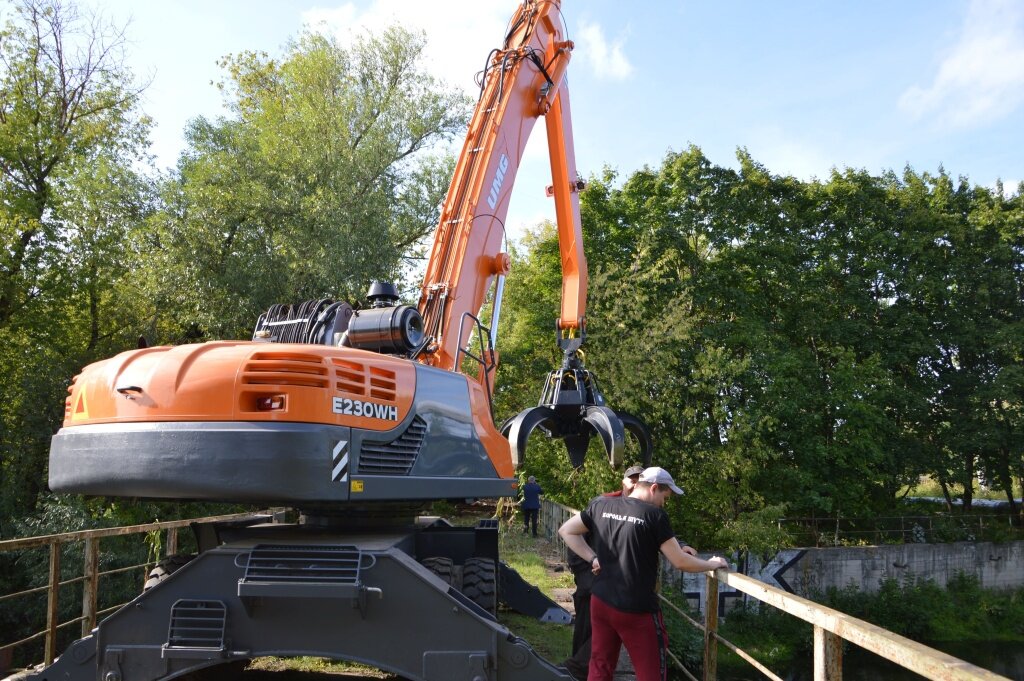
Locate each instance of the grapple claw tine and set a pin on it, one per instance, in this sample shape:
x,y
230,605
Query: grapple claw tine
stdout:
x,y
572,408
577,446
518,428
607,425
638,429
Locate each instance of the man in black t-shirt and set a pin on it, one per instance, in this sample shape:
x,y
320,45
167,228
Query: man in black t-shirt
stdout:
x,y
583,577
626,536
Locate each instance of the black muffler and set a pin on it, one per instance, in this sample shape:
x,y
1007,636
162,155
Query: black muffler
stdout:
x,y
573,409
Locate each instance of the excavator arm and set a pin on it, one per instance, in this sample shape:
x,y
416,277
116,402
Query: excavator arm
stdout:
x,y
523,80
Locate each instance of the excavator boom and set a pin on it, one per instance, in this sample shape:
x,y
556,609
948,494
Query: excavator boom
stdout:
x,y
523,80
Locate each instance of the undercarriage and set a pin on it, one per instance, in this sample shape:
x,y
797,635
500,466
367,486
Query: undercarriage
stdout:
x,y
417,601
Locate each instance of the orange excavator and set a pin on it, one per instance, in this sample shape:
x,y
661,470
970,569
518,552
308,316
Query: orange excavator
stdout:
x,y
328,404
356,417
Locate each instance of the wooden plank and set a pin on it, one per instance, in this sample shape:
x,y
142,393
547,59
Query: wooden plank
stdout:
x,y
828,656
724,641
91,586
172,541
681,667
711,627
12,646
919,658
750,660
52,603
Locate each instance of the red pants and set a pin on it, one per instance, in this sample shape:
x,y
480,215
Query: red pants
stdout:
x,y
643,634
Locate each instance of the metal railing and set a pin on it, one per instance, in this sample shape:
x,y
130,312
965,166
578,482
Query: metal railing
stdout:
x,y
831,628
90,574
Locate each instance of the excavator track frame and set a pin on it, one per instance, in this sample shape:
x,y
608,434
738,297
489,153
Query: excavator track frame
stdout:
x,y
289,590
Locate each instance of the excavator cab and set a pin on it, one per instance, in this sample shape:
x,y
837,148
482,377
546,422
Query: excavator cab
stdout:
x,y
572,408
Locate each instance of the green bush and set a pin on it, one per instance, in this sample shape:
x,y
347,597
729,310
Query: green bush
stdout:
x,y
905,606
684,640
770,635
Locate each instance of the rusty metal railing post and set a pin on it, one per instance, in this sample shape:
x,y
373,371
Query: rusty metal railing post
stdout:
x,y
710,628
90,587
52,602
828,655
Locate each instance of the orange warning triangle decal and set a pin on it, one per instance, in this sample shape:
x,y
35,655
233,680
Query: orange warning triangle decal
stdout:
x,y
81,412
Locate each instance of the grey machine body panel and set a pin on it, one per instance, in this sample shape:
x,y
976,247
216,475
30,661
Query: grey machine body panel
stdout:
x,y
433,453
383,609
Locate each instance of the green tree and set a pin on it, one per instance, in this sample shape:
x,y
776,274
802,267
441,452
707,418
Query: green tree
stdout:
x,y
797,347
70,132
963,277
321,181
65,97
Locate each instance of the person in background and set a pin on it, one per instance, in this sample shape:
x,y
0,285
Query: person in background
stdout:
x,y
531,504
628,534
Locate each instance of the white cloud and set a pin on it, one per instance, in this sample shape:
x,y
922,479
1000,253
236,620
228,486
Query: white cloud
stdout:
x,y
786,154
1010,187
460,37
460,33
608,60
981,78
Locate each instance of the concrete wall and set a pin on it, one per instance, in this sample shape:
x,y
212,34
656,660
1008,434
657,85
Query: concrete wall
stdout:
x,y
806,572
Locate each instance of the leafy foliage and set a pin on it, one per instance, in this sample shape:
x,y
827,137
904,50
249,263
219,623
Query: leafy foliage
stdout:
x,y
71,138
801,348
320,183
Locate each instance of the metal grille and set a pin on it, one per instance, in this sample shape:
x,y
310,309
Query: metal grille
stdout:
x,y
350,376
383,384
285,368
197,624
395,457
303,564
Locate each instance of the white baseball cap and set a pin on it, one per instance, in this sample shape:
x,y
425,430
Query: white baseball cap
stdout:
x,y
660,476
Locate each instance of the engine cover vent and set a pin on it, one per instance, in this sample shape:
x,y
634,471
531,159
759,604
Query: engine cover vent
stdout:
x,y
281,367
395,457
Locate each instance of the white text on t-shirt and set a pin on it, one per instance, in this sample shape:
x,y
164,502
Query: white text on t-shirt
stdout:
x,y
623,518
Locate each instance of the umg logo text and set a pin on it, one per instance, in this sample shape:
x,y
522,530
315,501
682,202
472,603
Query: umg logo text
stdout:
x,y
499,179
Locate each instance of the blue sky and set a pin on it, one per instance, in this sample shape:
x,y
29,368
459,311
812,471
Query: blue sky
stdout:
x,y
804,85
